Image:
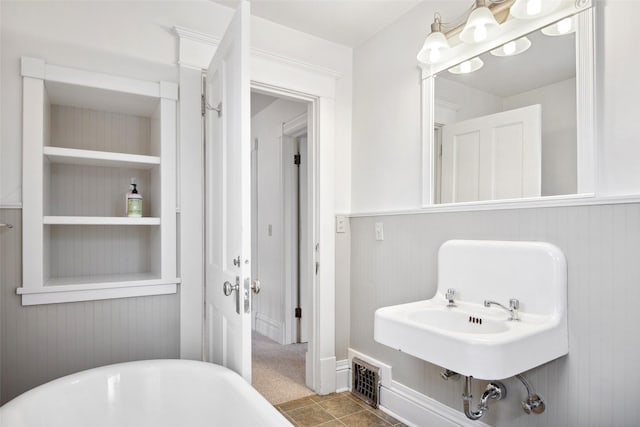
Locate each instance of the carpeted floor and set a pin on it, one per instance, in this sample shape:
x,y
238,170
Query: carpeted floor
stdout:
x,y
278,370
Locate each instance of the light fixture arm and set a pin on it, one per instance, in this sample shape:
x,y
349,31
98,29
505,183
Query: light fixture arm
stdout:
x,y
436,26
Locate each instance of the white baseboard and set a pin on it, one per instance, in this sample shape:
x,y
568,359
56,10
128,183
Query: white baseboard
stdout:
x,y
343,375
269,327
411,407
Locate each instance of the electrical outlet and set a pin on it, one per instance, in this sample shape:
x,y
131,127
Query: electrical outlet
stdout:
x,y
341,224
379,231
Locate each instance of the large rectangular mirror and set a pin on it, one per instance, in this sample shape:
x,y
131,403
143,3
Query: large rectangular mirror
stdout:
x,y
511,126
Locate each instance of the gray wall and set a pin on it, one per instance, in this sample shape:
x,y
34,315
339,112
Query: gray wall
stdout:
x,y
595,385
43,342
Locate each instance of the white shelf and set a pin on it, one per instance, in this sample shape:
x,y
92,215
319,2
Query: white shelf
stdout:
x,y
89,288
72,156
99,220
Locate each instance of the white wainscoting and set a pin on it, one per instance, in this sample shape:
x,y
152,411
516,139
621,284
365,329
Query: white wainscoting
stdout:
x,y
405,404
602,246
44,342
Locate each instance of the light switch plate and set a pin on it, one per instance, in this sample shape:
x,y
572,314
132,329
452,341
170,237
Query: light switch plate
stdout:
x,y
341,224
379,231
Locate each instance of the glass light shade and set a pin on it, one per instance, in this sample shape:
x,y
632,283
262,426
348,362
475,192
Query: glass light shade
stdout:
x,y
560,28
480,26
467,67
434,49
513,47
530,9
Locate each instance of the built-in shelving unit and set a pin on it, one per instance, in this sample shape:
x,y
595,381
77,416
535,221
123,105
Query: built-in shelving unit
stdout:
x,y
85,136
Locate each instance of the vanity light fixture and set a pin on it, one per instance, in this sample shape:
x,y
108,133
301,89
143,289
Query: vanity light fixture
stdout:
x,y
466,67
530,9
436,44
512,48
481,25
560,28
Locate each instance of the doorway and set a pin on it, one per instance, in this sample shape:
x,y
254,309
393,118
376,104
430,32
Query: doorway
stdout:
x,y
280,246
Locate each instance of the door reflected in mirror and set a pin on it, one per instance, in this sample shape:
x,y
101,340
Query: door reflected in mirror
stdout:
x,y
506,122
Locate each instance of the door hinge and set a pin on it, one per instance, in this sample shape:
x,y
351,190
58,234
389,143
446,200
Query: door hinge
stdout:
x,y
296,159
298,313
204,106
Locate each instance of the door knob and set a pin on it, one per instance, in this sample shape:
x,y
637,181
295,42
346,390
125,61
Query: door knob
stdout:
x,y
228,288
255,286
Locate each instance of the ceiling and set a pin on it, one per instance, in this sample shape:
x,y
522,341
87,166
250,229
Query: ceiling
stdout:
x,y
347,22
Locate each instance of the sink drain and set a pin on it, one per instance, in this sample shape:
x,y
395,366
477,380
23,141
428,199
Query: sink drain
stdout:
x,y
475,320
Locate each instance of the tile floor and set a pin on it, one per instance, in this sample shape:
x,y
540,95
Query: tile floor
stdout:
x,y
336,409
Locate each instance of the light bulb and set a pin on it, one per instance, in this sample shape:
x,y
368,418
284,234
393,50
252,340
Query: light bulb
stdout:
x,y
564,26
509,48
534,7
467,67
434,55
480,33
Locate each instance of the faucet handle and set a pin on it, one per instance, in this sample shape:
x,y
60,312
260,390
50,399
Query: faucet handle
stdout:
x,y
514,303
451,293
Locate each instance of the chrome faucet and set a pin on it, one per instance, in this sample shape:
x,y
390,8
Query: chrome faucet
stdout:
x,y
450,295
514,305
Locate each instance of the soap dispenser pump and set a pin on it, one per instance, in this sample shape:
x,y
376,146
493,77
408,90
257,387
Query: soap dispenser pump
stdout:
x,y
134,201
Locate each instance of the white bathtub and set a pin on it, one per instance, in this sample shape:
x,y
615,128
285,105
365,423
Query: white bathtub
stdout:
x,y
158,393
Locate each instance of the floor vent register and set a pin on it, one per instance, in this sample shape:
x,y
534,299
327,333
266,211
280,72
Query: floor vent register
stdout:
x,y
365,381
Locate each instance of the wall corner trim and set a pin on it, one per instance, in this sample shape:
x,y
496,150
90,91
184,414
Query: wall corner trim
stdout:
x,y
32,67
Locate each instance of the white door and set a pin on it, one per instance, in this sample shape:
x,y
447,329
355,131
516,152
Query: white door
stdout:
x,y
228,200
492,157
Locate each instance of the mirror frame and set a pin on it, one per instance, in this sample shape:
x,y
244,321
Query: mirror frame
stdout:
x,y
585,102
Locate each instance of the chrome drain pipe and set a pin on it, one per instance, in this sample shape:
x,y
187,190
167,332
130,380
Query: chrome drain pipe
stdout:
x,y
533,403
495,390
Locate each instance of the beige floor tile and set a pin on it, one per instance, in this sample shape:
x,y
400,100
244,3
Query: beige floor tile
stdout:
x,y
388,418
332,423
359,401
340,406
364,419
310,416
295,404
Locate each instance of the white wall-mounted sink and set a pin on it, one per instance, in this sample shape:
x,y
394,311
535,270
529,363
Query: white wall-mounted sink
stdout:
x,y
480,341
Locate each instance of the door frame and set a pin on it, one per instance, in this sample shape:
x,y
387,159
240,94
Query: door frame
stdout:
x,y
288,78
294,129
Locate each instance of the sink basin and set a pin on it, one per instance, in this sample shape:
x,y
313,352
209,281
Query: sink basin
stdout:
x,y
456,321
480,341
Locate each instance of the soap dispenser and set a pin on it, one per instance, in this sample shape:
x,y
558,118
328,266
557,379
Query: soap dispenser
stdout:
x,y
134,201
